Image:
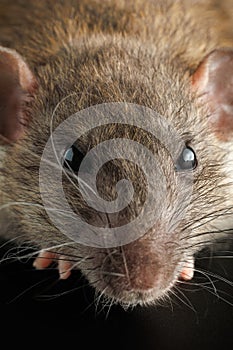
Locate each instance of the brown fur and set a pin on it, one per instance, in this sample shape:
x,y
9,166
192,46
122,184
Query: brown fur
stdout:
x,y
143,52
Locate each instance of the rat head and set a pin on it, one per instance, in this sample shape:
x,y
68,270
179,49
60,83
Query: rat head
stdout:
x,y
133,212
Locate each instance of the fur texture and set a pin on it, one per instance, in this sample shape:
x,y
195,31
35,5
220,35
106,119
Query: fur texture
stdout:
x,y
84,53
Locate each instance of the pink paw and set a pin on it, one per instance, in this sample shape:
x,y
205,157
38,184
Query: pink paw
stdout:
x,y
188,270
46,258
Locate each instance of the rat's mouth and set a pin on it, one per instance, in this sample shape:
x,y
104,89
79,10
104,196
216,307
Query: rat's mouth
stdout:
x,y
136,287
118,288
131,298
141,285
142,298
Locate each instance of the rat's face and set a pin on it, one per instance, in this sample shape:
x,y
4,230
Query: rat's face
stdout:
x,y
173,185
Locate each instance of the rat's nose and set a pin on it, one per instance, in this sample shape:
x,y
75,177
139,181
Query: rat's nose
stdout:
x,y
143,277
141,266
137,266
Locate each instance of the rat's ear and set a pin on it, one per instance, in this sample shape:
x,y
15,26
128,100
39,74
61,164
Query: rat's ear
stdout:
x,y
17,83
213,81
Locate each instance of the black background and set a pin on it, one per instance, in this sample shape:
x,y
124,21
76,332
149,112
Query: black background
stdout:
x,y
36,308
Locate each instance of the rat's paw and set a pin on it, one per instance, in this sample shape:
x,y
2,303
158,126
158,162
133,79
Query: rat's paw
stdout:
x,y
188,270
46,258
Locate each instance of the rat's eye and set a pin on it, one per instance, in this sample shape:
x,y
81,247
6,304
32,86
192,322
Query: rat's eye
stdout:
x,y
73,158
187,160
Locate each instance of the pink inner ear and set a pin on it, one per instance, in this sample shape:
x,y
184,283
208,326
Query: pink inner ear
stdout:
x,y
16,83
213,81
26,78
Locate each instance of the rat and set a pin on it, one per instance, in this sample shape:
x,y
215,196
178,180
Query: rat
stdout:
x,y
173,58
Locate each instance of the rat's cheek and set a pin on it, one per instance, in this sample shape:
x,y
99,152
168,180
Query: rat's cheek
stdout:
x,y
46,258
187,272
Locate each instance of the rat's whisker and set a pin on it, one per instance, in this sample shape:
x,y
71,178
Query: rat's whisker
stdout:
x,y
210,274
30,204
25,291
186,303
97,300
210,216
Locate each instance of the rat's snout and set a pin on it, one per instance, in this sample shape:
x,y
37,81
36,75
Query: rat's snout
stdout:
x,y
138,267
142,271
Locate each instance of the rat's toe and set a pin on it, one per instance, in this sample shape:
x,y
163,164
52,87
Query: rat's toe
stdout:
x,y
188,270
43,260
64,268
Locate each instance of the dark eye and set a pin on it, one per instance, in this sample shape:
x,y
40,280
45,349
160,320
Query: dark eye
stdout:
x,y
187,160
73,158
